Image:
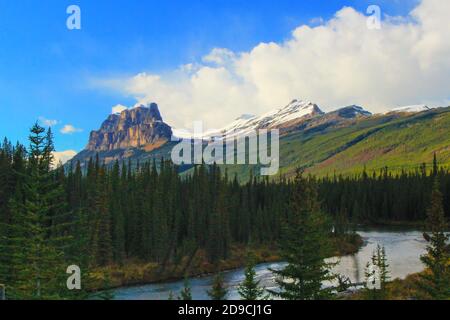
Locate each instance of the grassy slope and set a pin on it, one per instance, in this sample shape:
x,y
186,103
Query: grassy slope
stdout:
x,y
398,142
402,143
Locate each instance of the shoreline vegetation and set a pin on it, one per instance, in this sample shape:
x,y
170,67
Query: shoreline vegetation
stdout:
x,y
140,273
399,289
135,273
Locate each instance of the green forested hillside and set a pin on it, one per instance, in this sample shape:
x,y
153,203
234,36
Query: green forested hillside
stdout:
x,y
403,143
398,141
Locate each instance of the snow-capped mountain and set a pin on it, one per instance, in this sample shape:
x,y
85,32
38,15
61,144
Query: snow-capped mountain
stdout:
x,y
242,122
352,111
412,108
294,112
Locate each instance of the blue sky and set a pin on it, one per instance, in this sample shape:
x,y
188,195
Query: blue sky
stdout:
x,y
46,69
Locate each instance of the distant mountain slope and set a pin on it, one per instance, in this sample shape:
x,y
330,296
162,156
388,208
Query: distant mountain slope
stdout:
x,y
412,109
405,142
343,141
397,140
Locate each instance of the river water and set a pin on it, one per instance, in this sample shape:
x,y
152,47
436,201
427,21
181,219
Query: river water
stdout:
x,y
403,249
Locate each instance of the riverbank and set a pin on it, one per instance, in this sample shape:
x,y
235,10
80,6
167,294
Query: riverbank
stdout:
x,y
408,288
419,224
134,273
398,289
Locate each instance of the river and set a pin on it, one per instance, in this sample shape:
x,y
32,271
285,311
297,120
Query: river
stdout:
x,y
403,249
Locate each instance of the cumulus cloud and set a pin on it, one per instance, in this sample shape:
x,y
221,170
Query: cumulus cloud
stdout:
x,y
63,156
219,56
336,63
69,129
47,122
316,21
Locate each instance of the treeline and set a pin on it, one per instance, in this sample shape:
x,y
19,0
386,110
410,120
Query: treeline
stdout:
x,y
39,235
383,195
111,214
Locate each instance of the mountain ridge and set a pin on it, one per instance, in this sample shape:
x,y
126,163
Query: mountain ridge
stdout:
x,y
342,140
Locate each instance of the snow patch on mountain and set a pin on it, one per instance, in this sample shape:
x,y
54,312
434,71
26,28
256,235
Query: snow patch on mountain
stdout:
x,y
357,111
246,123
412,108
294,111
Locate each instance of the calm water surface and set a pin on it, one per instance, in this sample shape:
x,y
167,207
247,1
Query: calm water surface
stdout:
x,y
403,249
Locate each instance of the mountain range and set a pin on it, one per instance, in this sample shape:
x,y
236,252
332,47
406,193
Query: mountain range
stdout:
x,y
342,141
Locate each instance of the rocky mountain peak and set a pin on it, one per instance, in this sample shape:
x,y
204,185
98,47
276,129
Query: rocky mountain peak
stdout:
x,y
352,111
139,127
297,109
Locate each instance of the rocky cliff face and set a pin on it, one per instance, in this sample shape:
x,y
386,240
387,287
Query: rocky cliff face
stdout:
x,y
140,127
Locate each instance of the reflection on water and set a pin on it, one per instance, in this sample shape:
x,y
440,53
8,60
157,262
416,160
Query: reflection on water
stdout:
x,y
403,249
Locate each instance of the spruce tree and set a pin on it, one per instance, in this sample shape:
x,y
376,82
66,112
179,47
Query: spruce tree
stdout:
x,y
377,275
370,275
102,242
185,293
250,288
383,267
435,166
107,293
436,279
304,246
37,237
117,217
218,290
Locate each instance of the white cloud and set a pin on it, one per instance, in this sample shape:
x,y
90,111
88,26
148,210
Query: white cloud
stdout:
x,y
69,129
118,108
316,21
63,156
220,56
336,63
47,122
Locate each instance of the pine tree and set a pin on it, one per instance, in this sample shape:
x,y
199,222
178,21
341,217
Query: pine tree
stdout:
x,y
218,290
250,288
304,246
37,227
185,293
436,279
9,184
435,165
102,242
383,268
370,274
377,275
106,293
117,218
